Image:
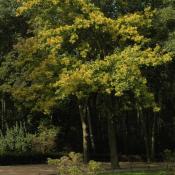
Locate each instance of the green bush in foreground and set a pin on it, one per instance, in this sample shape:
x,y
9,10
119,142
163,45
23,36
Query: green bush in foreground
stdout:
x,y
73,165
16,139
45,139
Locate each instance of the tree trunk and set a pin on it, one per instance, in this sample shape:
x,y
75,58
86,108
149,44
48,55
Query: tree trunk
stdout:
x,y
125,137
153,138
112,144
148,151
3,110
147,139
82,111
90,129
112,132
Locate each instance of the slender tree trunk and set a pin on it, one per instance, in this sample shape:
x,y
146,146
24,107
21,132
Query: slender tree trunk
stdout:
x,y
2,113
3,109
148,151
153,138
90,128
146,134
112,144
82,111
126,134
149,127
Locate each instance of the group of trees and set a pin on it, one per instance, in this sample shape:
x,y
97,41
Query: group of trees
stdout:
x,y
109,62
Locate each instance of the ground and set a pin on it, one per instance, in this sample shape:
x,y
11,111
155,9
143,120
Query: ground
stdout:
x,y
140,173
28,170
51,170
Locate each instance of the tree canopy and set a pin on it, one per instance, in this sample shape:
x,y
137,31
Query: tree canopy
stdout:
x,y
54,52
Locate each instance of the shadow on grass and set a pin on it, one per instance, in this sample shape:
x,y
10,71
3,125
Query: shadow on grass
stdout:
x,y
137,173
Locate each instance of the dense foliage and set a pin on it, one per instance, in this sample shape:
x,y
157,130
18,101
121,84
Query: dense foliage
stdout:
x,y
101,71
17,140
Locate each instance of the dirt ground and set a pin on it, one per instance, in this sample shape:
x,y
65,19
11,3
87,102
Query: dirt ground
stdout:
x,y
52,170
28,170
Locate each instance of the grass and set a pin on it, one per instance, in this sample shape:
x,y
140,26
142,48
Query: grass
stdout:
x,y
138,173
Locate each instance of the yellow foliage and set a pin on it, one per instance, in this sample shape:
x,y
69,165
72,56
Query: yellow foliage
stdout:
x,y
78,55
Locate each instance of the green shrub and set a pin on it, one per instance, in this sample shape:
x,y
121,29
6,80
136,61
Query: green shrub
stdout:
x,y
94,167
45,140
2,144
53,161
16,139
169,155
19,146
73,165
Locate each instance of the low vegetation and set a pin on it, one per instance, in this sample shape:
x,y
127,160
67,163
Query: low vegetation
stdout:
x,y
72,164
139,173
17,144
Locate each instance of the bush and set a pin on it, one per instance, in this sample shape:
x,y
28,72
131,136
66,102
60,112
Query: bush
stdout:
x,y
73,165
45,140
16,139
17,146
169,155
94,167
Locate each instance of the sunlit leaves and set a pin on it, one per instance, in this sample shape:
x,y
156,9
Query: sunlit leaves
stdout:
x,y
118,72
76,50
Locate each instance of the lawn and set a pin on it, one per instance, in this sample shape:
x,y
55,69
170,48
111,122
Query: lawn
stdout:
x,y
138,173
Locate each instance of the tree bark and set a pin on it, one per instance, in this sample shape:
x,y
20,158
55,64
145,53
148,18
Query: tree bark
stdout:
x,y
113,144
153,138
112,132
125,137
3,109
90,129
82,111
146,134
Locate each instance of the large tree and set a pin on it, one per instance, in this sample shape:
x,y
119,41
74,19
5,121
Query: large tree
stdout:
x,y
73,49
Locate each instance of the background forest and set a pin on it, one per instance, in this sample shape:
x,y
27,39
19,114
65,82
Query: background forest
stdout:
x,y
91,76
